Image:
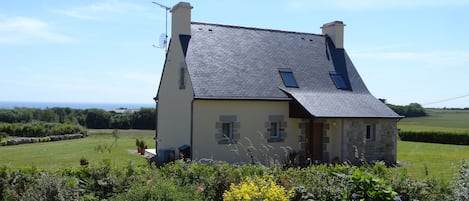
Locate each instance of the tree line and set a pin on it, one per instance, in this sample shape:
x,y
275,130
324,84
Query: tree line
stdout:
x,y
411,110
143,118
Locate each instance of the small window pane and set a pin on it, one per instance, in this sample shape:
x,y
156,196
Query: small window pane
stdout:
x,y
227,130
371,132
274,130
288,79
368,132
339,81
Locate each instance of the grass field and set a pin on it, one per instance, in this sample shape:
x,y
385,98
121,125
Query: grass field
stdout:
x,y
438,120
68,153
439,160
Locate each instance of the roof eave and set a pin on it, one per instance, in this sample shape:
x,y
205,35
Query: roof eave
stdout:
x,y
244,98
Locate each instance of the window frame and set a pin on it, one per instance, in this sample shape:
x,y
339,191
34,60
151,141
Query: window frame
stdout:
x,y
288,78
182,78
339,81
227,129
275,130
280,129
370,132
229,135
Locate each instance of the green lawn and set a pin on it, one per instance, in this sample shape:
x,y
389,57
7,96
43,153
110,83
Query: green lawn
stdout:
x,y
440,160
69,152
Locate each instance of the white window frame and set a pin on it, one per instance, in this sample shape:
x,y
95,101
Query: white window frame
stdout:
x,y
275,130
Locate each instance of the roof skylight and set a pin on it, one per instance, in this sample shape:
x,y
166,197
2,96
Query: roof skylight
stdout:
x,y
339,81
288,78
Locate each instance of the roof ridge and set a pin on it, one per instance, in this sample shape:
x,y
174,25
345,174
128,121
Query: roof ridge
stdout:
x,y
253,28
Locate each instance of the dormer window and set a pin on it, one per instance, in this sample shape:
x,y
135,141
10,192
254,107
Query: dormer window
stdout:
x,y
288,78
339,81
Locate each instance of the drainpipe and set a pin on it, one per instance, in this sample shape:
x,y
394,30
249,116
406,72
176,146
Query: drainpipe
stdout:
x,y
192,129
342,140
156,125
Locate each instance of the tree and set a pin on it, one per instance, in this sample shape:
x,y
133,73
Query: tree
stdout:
x,y
97,118
411,110
145,118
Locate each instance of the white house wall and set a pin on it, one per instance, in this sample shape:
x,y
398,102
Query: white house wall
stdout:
x,y
252,117
174,104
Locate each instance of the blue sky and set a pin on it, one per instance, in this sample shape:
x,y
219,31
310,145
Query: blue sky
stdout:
x,y
101,51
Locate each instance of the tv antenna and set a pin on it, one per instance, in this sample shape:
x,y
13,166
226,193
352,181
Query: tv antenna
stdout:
x,y
164,36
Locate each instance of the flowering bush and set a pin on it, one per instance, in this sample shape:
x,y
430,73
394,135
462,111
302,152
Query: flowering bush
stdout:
x,y
258,188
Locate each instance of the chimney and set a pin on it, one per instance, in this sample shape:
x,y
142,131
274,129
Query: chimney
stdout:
x,y
335,31
181,19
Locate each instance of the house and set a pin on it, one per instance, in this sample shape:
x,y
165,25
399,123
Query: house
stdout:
x,y
243,94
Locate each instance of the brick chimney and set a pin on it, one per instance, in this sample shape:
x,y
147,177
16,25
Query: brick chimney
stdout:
x,y
335,31
181,19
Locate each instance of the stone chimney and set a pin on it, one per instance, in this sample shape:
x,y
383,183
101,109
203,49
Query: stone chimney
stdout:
x,y
181,19
335,31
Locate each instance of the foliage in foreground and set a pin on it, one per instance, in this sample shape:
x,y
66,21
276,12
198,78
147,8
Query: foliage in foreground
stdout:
x,y
218,181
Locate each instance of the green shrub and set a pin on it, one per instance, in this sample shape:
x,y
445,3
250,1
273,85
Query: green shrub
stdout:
x,y
319,182
160,189
3,181
364,186
461,186
435,137
51,188
39,129
425,189
199,181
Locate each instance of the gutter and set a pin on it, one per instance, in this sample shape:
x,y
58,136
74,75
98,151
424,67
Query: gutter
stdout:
x,y
192,129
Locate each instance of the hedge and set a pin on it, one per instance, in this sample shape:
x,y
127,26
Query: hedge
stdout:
x,y
26,140
39,129
435,137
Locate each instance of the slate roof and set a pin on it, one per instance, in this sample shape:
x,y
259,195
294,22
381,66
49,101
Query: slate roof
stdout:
x,y
232,62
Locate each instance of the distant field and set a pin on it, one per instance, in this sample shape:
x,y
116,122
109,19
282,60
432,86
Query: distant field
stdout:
x,y
68,153
438,120
441,160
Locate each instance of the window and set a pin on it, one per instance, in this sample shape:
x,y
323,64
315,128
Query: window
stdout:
x,y
274,129
339,81
182,81
371,132
227,130
288,78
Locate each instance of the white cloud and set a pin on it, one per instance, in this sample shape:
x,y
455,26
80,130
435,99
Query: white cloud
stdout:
x,y
361,5
101,10
24,29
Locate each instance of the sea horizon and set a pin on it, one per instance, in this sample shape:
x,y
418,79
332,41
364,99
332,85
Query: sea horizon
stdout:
x,y
73,105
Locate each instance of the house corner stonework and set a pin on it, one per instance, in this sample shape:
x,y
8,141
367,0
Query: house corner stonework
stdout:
x,y
382,147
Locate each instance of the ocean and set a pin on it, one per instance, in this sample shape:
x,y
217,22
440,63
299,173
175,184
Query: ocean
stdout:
x,y
104,106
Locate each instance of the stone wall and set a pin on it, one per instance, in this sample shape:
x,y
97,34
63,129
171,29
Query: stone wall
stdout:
x,y
380,145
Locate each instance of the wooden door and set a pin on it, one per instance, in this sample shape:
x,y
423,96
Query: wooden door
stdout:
x,y
315,140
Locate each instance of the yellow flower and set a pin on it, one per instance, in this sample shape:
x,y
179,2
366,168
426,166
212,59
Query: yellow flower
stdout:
x,y
257,188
